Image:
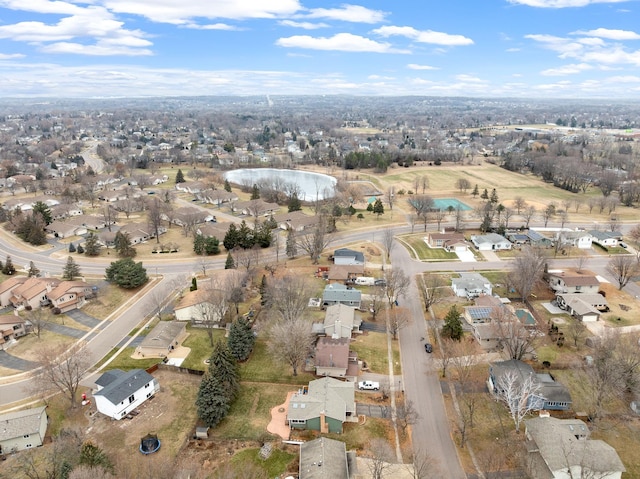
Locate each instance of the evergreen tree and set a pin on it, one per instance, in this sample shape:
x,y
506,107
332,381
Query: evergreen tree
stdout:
x,y
42,208
494,197
126,273
224,367
263,236
179,177
33,271
122,245
231,238
292,244
337,211
378,207
475,191
452,327
370,207
199,244
71,270
212,245
241,339
485,195
194,284
263,290
72,248
294,203
351,210
80,249
227,186
255,193
8,267
94,457
91,245
212,402
246,236
229,263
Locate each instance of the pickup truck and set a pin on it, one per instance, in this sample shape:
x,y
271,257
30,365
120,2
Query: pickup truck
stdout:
x,y
369,385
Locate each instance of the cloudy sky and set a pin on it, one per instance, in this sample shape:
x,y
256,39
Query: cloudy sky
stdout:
x,y
493,48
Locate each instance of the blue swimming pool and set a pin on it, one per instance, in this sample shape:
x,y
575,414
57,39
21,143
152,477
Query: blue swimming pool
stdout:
x,y
444,203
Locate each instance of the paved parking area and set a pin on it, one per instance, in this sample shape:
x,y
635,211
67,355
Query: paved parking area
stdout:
x,y
13,362
83,318
65,330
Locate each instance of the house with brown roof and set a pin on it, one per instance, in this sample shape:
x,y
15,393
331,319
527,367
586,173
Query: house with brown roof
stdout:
x,y
216,197
256,208
33,292
572,281
7,287
213,230
11,328
295,220
448,241
140,232
65,229
333,358
70,295
344,272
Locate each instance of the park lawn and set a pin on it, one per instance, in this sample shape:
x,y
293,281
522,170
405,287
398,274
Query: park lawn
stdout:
x,y
198,341
421,251
261,367
371,347
250,413
278,463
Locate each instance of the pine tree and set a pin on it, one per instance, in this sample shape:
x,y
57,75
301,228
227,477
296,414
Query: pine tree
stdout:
x,y
122,244
94,457
72,248
8,267
199,244
263,290
212,402
370,207
126,273
485,195
33,271
255,193
378,207
227,186
224,367
494,197
229,263
179,177
231,238
294,203
452,327
241,339
292,244
212,245
71,270
80,249
44,210
475,191
91,245
194,284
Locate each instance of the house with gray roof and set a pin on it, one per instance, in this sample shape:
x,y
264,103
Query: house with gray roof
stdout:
x,y
551,394
163,338
341,321
323,458
20,430
561,448
337,293
491,242
583,306
605,239
323,406
119,392
573,281
347,256
471,285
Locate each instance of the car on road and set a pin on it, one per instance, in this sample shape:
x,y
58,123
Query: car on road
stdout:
x,y
428,348
369,385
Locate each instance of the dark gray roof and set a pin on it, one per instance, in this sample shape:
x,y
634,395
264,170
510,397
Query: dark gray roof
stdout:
x,y
163,335
120,385
339,292
323,458
346,252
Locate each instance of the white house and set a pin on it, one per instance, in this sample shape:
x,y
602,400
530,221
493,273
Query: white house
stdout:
x,y
118,392
347,256
490,242
471,285
605,238
21,430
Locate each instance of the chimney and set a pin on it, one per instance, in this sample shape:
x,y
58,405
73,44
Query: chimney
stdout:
x,y
324,427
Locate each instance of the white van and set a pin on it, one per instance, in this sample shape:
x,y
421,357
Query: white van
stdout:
x,y
365,281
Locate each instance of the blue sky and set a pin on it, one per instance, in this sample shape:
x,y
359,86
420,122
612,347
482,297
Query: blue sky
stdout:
x,y
478,48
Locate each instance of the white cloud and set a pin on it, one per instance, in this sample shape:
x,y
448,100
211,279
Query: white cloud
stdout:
x,y
212,26
303,25
512,50
469,79
99,49
624,79
424,36
185,11
345,42
567,69
561,3
609,34
10,56
43,6
348,13
415,66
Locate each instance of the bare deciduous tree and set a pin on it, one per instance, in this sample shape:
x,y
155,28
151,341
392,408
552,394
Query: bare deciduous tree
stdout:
x,y
387,244
515,339
397,318
432,288
397,284
406,414
315,242
576,331
422,205
528,214
425,466
291,342
527,270
214,304
622,268
381,458
521,395
288,297
60,369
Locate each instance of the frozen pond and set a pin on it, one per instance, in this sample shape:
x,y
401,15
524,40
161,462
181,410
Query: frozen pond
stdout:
x,y
312,185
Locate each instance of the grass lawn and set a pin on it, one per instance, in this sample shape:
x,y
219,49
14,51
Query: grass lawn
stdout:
x,y
372,348
277,464
198,341
125,362
110,298
251,412
420,250
185,393
261,367
28,346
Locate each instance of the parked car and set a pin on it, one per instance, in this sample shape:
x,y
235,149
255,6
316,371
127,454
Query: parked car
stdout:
x,y
380,282
369,385
428,348
624,245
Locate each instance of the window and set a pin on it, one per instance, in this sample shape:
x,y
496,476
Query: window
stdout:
x,y
26,436
131,398
28,445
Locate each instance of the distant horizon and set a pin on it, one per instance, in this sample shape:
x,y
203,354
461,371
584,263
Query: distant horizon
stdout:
x,y
111,49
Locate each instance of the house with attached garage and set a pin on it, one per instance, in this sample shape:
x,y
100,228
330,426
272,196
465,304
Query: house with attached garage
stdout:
x,y
562,449
7,286
584,307
572,281
340,321
324,458
333,358
20,430
348,256
606,239
325,405
337,293
70,295
119,392
33,292
163,338
11,328
448,241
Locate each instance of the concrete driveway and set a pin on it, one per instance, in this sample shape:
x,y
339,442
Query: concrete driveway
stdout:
x,y
83,318
65,330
